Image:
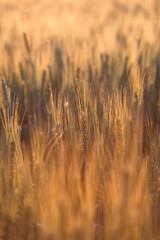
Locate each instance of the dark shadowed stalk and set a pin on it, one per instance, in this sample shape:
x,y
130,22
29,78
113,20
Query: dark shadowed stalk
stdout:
x,y
78,72
59,67
140,61
50,73
22,72
124,78
157,93
42,93
34,95
102,68
90,72
108,82
68,68
4,73
157,78
6,97
27,44
84,143
77,100
64,116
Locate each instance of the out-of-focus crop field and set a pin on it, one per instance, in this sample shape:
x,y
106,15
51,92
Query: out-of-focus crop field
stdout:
x,y
79,120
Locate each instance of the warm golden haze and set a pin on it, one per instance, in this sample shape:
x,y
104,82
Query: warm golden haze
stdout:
x,y
79,120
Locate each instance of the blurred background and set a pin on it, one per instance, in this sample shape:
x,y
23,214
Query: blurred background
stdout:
x,y
104,20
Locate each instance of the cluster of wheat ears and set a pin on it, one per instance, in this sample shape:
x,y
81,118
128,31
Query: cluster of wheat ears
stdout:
x,y
79,143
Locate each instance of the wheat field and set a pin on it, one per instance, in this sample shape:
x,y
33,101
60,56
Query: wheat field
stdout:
x,y
79,120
